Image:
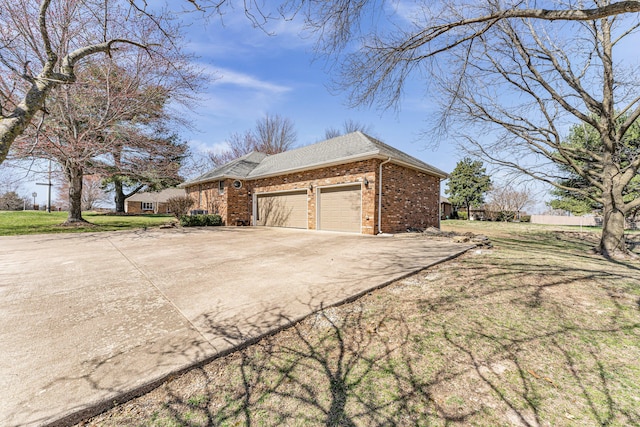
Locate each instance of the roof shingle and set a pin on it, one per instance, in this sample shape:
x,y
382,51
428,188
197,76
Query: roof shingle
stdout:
x,y
351,147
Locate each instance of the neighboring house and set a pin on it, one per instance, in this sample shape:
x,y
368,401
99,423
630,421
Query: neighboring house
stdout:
x,y
446,208
350,183
477,214
151,202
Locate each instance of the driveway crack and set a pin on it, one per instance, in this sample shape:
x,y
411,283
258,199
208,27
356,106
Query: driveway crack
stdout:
x,y
164,295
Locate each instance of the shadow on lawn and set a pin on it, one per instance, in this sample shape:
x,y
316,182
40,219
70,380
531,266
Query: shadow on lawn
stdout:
x,y
354,365
341,367
504,350
493,341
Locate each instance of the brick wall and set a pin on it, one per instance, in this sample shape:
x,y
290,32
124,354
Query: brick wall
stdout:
x,y
207,197
334,175
136,208
410,199
239,204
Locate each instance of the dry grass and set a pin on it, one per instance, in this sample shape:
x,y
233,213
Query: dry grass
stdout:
x,y
536,331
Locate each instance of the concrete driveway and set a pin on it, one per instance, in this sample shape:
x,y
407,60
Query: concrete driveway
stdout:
x,y
86,318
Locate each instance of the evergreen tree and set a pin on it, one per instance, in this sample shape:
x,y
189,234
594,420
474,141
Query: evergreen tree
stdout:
x,y
468,184
575,193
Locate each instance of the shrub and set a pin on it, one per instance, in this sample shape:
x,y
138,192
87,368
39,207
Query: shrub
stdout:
x,y
200,220
506,216
186,220
525,218
179,205
213,220
462,215
11,202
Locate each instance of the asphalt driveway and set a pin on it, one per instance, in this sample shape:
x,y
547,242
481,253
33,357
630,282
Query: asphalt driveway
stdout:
x,y
85,318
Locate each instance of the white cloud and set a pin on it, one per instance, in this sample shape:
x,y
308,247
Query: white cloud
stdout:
x,y
203,147
226,76
230,77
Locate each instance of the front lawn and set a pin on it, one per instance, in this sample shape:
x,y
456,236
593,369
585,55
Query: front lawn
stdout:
x,y
35,222
534,331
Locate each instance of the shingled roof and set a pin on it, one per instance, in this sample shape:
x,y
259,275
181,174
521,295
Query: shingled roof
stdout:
x,y
156,196
352,147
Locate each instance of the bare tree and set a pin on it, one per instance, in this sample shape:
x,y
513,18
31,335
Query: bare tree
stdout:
x,y
238,144
107,115
509,79
272,134
179,205
506,202
93,193
347,127
43,42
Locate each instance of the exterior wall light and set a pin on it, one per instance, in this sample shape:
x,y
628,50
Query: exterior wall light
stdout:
x,y
366,182
310,187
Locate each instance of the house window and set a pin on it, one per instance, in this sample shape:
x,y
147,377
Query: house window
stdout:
x,y
221,187
147,206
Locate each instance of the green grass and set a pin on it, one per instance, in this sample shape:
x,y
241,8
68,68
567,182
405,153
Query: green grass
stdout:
x,y
35,222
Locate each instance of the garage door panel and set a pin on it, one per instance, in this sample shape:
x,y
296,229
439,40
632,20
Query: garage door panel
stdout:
x,y
341,209
283,210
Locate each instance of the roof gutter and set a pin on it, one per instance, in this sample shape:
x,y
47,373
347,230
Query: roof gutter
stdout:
x,y
380,196
216,178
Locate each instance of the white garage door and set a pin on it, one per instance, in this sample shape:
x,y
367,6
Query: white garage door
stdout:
x,y
341,209
283,210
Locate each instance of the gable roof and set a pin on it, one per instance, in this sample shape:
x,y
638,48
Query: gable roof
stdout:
x,y
351,147
156,196
239,168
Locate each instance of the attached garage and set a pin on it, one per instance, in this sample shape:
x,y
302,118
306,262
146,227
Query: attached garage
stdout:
x,y
340,208
351,183
282,209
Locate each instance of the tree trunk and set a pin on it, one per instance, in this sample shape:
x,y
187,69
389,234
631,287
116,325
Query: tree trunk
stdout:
x,y
74,173
612,243
468,212
119,197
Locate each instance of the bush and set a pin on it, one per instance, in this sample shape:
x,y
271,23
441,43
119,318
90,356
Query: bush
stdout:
x,y
11,202
506,216
212,220
179,205
525,218
462,215
200,220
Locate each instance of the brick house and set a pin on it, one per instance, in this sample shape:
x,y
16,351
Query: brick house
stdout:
x,y
446,208
151,202
351,183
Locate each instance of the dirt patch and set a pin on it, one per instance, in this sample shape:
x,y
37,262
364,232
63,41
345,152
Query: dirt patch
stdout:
x,y
457,237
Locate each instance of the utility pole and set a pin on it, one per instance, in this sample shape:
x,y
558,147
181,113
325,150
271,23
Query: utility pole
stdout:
x,y
49,184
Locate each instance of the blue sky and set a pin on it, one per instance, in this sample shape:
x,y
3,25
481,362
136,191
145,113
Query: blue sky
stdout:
x,y
259,74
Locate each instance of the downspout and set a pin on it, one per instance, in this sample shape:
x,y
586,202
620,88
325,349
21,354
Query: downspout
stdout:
x,y
380,196
439,202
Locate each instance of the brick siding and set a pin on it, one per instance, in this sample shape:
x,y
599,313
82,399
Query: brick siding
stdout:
x,y
410,198
136,208
334,175
207,197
